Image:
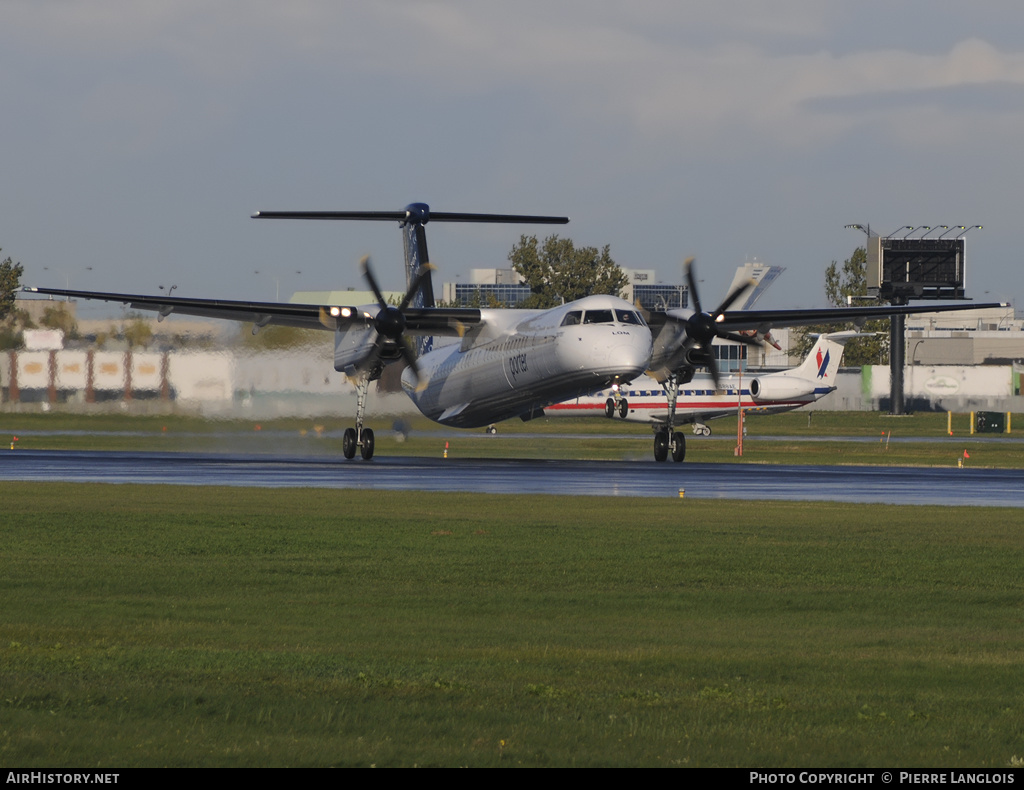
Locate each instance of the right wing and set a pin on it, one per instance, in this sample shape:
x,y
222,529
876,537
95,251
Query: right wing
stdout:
x,y
428,320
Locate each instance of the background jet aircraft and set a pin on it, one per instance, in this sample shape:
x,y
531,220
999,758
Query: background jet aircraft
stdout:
x,y
506,363
644,399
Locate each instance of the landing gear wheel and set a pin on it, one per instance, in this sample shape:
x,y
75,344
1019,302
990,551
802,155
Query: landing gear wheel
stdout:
x,y
609,408
660,446
348,443
678,447
492,429
367,447
705,431
623,408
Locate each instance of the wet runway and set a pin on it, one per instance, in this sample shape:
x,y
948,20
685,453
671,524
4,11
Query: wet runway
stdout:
x,y
895,485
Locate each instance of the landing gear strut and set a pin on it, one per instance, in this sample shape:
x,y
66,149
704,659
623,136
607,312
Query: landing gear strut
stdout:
x,y
665,439
359,436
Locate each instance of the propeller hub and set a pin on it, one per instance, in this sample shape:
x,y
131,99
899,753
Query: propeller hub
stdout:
x,y
390,323
700,327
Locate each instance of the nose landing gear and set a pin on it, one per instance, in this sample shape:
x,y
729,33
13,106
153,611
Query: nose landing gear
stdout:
x,y
666,440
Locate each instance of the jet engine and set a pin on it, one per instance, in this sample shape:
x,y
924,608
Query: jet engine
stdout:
x,y
774,388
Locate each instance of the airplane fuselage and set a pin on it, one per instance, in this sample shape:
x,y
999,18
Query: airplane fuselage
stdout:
x,y
697,401
530,359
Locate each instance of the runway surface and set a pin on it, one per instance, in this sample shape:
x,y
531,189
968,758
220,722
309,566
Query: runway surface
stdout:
x,y
894,485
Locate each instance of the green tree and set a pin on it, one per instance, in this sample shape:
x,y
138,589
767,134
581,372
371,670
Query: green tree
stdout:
x,y
557,271
136,331
60,318
10,279
276,338
843,285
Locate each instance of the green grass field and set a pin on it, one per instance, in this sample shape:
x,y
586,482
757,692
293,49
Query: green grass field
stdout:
x,y
171,626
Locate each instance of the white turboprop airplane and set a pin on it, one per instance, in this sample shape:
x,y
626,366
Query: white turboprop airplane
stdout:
x,y
508,363
699,400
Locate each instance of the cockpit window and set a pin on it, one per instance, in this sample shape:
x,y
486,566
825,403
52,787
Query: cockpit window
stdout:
x,y
598,317
629,317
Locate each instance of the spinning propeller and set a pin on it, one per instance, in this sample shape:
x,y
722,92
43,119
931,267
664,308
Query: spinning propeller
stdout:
x,y
702,328
389,323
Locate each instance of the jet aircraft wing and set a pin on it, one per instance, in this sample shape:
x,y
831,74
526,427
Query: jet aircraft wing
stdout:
x,y
433,321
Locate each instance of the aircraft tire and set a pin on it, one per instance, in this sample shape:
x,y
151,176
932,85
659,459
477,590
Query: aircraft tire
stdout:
x,y
678,447
609,408
348,443
660,446
367,448
623,408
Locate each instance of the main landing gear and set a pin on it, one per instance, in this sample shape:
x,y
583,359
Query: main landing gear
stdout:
x,y
359,437
616,405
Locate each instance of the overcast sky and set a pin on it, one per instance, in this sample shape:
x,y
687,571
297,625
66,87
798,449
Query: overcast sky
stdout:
x,y
138,137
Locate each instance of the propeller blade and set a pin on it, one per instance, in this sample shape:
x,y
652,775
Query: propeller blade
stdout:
x,y
389,324
368,274
702,328
410,359
421,274
713,367
750,340
735,294
691,283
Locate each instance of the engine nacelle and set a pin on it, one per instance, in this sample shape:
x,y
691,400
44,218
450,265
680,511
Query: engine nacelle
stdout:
x,y
775,388
350,346
697,358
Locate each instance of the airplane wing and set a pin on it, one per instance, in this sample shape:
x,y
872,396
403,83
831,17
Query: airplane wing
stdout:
x,y
681,337
763,320
430,321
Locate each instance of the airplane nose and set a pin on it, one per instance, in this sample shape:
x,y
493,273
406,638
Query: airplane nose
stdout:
x,y
625,355
634,352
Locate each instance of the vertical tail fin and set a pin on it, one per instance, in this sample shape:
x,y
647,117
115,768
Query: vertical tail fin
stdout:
x,y
822,364
414,238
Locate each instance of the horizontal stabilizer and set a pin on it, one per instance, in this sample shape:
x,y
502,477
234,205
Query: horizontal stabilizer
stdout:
x,y
419,215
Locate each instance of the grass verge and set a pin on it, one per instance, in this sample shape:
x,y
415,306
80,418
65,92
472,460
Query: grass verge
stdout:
x,y
160,625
